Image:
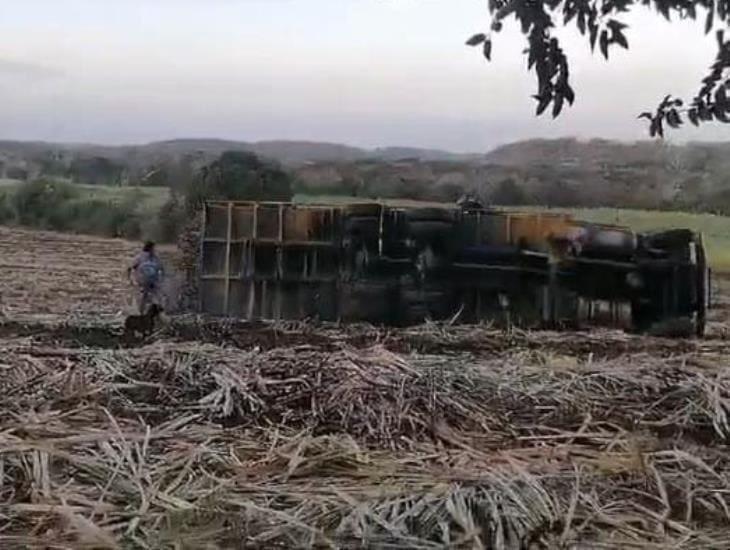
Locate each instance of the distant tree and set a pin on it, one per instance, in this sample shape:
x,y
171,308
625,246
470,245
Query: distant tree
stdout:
x,y
350,186
16,173
50,163
449,192
96,171
38,203
598,20
181,172
170,219
239,176
62,206
155,176
508,192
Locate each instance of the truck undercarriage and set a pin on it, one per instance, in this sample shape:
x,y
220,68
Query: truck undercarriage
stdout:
x,y
401,264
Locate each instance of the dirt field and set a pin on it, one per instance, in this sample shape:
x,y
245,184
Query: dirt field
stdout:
x,y
54,273
235,435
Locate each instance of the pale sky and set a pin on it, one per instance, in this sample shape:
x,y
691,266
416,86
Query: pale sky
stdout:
x,y
362,72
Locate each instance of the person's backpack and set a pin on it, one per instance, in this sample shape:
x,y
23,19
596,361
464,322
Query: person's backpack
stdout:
x,y
149,271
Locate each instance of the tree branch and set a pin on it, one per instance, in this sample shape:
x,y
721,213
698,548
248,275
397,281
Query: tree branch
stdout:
x,y
596,20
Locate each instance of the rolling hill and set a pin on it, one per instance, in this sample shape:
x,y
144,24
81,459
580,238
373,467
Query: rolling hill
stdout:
x,y
556,172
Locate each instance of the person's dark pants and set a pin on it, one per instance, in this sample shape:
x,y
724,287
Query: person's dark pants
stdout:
x,y
148,295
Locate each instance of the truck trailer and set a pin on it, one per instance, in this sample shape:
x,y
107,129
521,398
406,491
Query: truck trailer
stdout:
x,y
401,263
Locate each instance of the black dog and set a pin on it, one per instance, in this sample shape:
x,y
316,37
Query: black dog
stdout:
x,y
142,324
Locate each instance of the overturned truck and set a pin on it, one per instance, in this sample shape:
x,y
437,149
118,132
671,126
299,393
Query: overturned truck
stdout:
x,y
400,264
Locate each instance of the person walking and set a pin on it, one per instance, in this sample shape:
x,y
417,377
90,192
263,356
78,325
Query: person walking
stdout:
x,y
147,272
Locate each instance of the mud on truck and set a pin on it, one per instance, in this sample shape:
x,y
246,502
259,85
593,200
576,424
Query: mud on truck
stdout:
x,y
403,263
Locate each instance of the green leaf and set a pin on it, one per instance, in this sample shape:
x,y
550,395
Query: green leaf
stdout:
x,y
663,8
570,12
488,49
721,97
704,112
526,23
476,39
673,119
593,29
710,21
620,39
616,26
720,114
604,44
557,105
543,102
569,94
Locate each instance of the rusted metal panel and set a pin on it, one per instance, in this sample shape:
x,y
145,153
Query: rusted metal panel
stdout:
x,y
243,222
216,221
534,231
493,228
306,224
268,222
272,260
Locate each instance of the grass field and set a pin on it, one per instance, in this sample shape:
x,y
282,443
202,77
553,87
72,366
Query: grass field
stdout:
x,y
111,211
150,198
